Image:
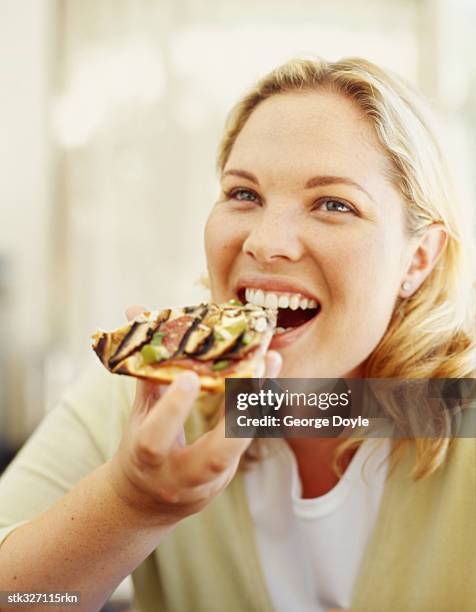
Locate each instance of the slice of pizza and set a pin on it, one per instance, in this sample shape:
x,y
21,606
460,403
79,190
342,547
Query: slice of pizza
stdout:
x,y
216,341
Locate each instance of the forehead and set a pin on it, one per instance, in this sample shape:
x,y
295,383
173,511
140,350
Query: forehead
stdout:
x,y
311,132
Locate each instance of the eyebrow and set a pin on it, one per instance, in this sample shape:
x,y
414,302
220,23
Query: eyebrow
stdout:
x,y
315,181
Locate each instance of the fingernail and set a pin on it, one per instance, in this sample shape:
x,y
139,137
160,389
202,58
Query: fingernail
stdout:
x,y
188,381
275,365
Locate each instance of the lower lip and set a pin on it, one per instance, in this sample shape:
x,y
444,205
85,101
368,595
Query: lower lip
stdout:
x,y
286,338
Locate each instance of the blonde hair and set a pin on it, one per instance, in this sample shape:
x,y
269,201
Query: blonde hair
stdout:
x,y
431,334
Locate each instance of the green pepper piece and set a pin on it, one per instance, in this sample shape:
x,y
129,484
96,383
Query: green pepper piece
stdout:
x,y
220,365
157,338
246,339
153,353
237,327
234,302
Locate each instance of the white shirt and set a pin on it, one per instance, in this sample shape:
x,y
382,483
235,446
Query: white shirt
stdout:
x,y
311,549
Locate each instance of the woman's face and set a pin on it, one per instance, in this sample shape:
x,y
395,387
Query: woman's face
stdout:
x,y
306,210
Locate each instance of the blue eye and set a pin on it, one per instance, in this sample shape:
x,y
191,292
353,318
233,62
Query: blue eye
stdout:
x,y
332,205
242,195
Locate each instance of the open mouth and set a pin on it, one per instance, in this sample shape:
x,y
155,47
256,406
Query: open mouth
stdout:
x,y
294,309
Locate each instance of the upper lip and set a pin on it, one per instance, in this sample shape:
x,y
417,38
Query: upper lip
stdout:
x,y
274,283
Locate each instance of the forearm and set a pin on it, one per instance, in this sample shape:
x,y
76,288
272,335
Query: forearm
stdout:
x,y
88,541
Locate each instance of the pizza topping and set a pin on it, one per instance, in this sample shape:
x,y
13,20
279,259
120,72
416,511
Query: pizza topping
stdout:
x,y
152,353
207,367
224,341
212,316
247,339
218,348
190,335
199,340
220,365
235,326
190,309
174,331
260,324
158,338
139,333
231,312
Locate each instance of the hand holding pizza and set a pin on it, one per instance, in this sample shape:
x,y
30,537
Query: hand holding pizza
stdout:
x,y
153,470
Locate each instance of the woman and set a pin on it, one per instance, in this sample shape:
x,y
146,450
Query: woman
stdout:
x,y
332,188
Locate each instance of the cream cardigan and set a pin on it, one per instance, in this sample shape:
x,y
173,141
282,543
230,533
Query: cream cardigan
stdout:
x,y
421,556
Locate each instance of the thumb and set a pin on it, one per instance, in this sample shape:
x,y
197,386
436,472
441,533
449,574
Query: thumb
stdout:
x,y
134,310
273,364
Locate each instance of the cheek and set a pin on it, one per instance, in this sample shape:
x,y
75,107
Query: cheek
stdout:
x,y
223,242
363,272
213,238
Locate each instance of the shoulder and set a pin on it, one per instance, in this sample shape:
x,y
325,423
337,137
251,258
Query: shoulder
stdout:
x,y
102,403
99,403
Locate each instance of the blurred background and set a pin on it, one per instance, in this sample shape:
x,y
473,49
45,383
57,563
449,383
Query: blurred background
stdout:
x,y
111,111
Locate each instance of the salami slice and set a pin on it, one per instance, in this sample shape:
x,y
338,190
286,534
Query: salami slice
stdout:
x,y
175,331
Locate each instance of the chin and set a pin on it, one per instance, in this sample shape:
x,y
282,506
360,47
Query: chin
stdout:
x,y
315,366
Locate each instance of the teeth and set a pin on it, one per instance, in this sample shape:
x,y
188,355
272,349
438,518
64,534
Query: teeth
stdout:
x,y
271,300
294,302
274,300
258,298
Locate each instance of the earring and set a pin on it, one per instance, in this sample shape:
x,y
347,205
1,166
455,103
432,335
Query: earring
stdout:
x,y
406,285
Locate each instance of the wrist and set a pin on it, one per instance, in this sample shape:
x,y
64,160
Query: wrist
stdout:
x,y
138,510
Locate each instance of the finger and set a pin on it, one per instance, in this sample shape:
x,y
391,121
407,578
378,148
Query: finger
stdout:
x,y
148,392
180,440
162,426
134,310
209,457
194,492
213,453
273,364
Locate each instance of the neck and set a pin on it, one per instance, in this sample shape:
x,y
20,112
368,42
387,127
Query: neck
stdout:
x,y
314,457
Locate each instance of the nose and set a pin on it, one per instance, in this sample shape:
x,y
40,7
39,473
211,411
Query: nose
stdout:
x,y
274,236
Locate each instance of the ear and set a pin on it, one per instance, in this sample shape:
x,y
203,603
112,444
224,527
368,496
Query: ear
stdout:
x,y
424,257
